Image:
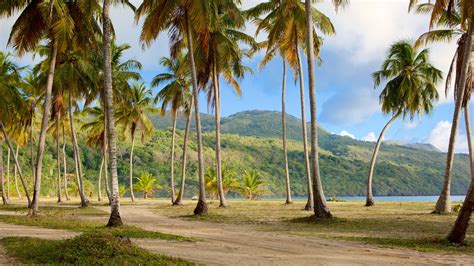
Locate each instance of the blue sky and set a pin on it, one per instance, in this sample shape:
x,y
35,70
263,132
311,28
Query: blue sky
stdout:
x,y
347,101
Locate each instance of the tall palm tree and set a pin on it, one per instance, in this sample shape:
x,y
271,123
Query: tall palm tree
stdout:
x,y
285,24
58,24
13,108
115,218
5,200
410,90
321,210
452,22
175,94
133,114
188,112
182,18
222,56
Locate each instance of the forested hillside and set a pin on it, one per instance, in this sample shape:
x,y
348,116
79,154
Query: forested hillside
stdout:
x,y
251,140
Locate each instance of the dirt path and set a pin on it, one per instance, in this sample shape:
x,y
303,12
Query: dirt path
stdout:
x,y
229,245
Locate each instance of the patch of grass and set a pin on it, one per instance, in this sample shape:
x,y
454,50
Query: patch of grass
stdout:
x,y
392,224
87,249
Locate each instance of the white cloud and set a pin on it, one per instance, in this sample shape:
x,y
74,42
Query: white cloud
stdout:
x,y
439,137
370,137
344,133
350,107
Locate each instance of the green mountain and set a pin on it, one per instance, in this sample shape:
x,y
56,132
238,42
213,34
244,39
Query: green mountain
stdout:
x,y
252,140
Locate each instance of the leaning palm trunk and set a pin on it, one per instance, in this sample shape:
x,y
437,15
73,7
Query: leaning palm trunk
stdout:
x,y
115,219
2,182
321,210
310,203
201,207
66,193
15,174
458,232
15,159
220,188
179,199
132,196
283,124
173,135
58,153
443,205
370,196
44,126
79,178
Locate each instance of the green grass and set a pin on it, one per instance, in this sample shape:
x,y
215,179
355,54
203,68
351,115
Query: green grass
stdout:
x,y
390,224
87,249
67,218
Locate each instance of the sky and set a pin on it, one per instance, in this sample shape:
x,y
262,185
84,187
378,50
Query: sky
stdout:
x,y
347,101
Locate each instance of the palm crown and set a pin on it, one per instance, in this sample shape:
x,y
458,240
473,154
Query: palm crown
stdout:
x,y
411,81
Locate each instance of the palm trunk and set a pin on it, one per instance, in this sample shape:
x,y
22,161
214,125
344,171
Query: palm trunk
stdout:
x,y
179,199
106,172
217,103
173,135
321,210
459,230
66,193
44,126
15,159
283,123
310,203
201,207
115,219
132,196
58,157
79,178
443,205
15,173
101,168
8,173
370,197
2,182
32,147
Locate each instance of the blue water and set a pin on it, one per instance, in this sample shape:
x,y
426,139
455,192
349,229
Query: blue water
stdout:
x,y
390,198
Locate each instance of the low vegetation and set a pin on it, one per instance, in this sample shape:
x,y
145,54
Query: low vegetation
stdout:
x,y
87,249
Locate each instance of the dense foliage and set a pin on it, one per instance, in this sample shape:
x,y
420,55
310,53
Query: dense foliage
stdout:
x,y
402,170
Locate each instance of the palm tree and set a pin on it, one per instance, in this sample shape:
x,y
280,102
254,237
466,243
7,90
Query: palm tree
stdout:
x,y
284,24
133,115
410,90
174,94
58,24
58,111
183,18
454,24
222,55
251,185
188,111
321,210
96,139
147,184
115,219
12,107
